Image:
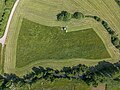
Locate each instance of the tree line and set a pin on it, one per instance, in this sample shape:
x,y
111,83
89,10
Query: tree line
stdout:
x,y
114,37
66,16
103,72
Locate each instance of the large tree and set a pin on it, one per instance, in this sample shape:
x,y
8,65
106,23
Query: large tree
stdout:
x,y
64,16
78,15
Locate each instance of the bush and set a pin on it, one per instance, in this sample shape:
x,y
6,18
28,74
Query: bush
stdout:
x,y
64,16
97,18
115,41
110,31
104,23
78,15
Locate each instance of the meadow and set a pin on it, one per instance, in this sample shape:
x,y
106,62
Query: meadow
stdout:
x,y
44,13
39,42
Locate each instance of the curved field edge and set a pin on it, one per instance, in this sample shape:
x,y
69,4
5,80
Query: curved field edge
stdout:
x,y
25,11
39,42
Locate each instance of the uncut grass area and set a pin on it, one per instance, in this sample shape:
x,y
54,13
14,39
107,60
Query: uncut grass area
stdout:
x,y
39,42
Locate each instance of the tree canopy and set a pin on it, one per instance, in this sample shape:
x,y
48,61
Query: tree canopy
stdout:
x,y
64,16
78,15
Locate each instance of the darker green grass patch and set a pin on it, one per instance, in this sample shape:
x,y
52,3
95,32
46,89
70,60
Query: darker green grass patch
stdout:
x,y
39,42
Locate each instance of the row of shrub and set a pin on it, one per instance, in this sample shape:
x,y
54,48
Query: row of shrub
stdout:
x,y
114,37
66,16
93,75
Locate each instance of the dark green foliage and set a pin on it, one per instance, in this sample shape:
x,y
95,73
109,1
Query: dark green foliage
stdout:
x,y
114,38
97,18
4,14
118,2
78,15
103,72
104,23
110,31
64,16
115,41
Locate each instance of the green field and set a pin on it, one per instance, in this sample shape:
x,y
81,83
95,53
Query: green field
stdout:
x,y
39,42
58,84
44,13
35,37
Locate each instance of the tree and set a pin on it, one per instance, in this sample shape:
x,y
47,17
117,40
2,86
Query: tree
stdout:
x,y
60,17
78,15
110,31
105,24
67,70
64,16
97,18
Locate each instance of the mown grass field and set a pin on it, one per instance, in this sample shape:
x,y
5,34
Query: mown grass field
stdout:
x,y
39,42
44,12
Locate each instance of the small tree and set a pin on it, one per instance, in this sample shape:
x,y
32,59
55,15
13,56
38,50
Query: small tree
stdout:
x,y
60,17
105,24
64,16
97,18
78,15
